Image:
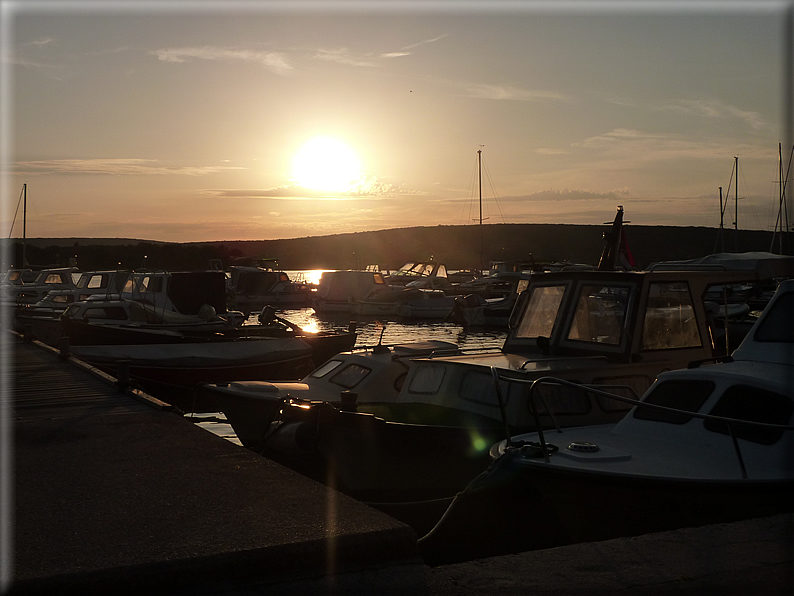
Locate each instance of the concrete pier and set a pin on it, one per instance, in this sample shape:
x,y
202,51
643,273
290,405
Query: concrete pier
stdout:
x,y
116,493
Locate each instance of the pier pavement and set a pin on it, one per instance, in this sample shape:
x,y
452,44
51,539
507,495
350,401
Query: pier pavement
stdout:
x,y
117,493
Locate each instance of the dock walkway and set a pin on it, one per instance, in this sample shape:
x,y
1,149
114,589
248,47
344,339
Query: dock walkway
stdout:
x,y
118,494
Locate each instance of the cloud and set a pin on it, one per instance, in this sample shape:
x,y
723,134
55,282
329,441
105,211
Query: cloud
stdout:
x,y
114,167
344,56
365,188
426,41
619,194
509,92
273,61
714,108
40,42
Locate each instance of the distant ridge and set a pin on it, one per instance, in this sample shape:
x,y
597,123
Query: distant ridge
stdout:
x,y
456,246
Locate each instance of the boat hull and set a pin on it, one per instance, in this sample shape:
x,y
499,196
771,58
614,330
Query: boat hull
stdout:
x,y
507,509
172,372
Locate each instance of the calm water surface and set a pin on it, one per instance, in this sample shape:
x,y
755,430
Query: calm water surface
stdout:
x,y
394,331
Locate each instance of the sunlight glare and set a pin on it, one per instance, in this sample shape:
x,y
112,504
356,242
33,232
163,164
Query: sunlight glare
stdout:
x,y
325,163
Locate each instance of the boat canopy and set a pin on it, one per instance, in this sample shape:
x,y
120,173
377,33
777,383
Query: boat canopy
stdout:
x,y
766,264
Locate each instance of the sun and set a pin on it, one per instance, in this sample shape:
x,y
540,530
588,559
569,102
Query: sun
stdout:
x,y
325,163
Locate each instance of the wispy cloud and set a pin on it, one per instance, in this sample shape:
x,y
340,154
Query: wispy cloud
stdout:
x,y
619,194
273,61
39,42
114,167
509,92
345,56
714,108
637,145
367,187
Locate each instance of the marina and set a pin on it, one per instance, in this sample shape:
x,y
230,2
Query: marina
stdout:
x,y
116,493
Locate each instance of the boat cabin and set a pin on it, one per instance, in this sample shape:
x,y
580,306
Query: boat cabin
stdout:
x,y
615,328
417,271
89,284
63,278
252,288
339,290
182,291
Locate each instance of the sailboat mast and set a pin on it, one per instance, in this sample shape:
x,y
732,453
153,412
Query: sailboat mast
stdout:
x,y
736,205
24,220
479,180
722,224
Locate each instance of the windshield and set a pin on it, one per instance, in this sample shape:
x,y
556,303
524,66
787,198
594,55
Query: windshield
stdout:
x,y
541,311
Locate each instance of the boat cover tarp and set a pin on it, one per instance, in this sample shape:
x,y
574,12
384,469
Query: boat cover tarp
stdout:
x,y
197,354
765,264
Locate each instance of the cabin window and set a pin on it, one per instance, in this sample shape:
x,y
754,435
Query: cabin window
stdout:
x,y
743,402
427,378
688,395
63,298
600,314
541,312
778,324
97,281
115,313
479,388
54,278
326,368
670,318
350,376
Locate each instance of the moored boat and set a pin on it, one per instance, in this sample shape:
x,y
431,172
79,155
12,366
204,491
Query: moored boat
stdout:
x,y
250,289
172,371
707,444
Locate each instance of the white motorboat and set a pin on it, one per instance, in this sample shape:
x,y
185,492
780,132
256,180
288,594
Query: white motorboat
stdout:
x,y
707,444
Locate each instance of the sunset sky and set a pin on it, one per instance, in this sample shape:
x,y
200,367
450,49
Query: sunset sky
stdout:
x,y
197,121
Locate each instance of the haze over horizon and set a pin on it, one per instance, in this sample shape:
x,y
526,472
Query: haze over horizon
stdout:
x,y
201,121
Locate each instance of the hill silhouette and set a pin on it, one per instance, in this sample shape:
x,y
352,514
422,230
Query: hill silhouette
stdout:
x,y
459,247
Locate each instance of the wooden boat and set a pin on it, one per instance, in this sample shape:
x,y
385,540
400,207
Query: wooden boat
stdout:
x,y
707,444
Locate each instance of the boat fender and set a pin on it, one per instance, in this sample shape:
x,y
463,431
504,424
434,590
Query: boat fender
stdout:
x,y
293,438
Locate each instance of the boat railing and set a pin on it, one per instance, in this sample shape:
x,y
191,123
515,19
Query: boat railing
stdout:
x,y
537,383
